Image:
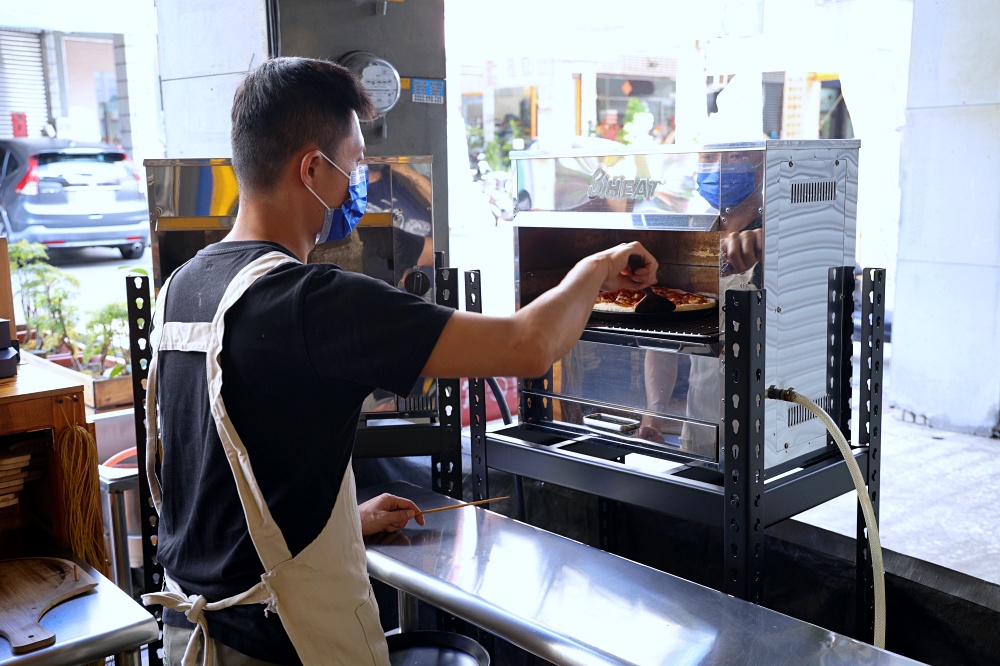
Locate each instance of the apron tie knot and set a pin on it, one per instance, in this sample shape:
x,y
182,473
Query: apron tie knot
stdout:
x,y
194,613
192,606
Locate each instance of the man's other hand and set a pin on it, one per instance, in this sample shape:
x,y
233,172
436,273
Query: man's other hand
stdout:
x,y
387,513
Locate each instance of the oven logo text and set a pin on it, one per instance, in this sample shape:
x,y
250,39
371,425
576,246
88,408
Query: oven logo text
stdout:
x,y
608,187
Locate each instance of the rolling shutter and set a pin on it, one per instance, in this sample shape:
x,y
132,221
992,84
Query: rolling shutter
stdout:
x,y
22,80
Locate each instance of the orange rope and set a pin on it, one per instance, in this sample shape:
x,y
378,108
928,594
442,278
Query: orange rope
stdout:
x,y
76,451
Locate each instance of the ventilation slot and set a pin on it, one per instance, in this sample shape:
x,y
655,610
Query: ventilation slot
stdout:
x,y
814,191
797,414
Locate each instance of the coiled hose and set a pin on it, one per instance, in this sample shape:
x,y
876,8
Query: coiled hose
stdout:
x,y
875,545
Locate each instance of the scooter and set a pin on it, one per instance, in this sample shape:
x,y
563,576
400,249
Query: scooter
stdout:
x,y
494,184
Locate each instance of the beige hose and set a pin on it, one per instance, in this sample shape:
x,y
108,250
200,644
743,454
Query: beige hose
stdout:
x,y
875,545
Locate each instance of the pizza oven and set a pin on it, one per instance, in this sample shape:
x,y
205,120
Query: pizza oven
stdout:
x,y
774,215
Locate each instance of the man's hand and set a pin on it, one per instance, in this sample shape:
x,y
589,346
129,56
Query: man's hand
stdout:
x,y
619,275
743,249
387,513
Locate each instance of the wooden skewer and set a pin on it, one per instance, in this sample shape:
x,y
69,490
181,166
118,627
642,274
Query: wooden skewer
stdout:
x,y
459,506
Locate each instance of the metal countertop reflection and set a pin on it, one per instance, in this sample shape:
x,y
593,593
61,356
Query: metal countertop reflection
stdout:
x,y
573,604
99,623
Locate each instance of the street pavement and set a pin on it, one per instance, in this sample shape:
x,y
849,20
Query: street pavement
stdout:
x,y
101,273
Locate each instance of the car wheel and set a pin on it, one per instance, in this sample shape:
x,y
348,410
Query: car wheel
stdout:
x,y
132,251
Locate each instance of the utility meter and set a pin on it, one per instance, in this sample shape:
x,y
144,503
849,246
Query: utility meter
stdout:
x,y
379,78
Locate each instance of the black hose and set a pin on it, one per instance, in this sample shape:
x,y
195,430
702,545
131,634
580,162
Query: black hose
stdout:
x,y
501,402
520,508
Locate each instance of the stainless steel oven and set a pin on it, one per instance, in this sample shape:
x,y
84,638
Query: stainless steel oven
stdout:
x,y
777,215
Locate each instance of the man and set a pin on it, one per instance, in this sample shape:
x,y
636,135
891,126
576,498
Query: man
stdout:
x,y
260,366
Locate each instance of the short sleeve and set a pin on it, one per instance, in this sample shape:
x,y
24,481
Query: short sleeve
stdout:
x,y
362,330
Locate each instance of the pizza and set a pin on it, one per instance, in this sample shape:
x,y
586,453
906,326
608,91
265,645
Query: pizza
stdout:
x,y
626,300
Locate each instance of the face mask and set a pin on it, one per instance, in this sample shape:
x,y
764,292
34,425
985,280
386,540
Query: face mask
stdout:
x,y
728,186
339,222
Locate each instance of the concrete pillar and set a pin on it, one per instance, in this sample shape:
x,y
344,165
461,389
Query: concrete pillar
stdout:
x,y
946,331
141,120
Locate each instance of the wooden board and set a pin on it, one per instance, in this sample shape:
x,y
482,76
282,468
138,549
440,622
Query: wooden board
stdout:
x,y
15,461
28,588
11,485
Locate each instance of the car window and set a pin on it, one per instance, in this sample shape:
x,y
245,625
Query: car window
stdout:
x,y
85,170
10,164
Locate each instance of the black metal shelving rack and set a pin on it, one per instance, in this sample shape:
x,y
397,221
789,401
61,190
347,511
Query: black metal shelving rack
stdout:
x,y
742,505
441,440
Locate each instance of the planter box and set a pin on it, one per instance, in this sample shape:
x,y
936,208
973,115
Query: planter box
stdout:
x,y
98,392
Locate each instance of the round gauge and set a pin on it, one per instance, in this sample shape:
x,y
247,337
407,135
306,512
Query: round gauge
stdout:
x,y
378,77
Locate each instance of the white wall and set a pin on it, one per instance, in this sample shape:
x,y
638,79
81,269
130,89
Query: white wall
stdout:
x,y
206,48
946,333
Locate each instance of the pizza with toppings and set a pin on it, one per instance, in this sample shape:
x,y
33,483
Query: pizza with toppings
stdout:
x,y
625,300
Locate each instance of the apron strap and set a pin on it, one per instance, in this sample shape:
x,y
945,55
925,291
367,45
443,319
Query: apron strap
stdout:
x,y
152,423
264,531
187,337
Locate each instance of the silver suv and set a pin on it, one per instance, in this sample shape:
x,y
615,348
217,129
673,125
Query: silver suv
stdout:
x,y
65,194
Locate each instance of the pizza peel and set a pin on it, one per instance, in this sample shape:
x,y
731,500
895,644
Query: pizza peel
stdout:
x,y
651,303
29,587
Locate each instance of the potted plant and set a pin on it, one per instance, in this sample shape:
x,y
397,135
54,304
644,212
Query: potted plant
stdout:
x,y
98,355
107,341
46,294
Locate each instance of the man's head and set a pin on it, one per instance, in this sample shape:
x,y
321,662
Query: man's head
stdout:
x,y
288,105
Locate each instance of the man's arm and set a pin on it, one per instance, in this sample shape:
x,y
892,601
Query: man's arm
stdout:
x,y
526,343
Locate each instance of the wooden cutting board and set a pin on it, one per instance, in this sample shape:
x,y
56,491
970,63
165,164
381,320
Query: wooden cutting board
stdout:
x,y
28,588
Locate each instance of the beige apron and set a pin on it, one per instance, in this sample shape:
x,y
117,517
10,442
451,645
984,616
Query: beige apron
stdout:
x,y
322,595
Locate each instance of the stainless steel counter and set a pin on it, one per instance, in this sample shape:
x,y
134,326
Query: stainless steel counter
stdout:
x,y
97,624
572,604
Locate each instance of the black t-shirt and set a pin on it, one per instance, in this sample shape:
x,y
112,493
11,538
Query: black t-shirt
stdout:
x,y
302,349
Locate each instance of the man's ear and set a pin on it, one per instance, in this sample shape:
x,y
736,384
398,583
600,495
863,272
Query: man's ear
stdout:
x,y
308,164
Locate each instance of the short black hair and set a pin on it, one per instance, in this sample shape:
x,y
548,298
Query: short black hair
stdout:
x,y
284,105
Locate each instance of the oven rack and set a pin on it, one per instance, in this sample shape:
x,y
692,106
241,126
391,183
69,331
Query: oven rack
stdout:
x,y
704,330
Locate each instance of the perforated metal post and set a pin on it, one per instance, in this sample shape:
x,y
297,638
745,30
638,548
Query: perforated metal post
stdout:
x,y
840,329
535,409
477,401
870,434
743,444
139,319
446,467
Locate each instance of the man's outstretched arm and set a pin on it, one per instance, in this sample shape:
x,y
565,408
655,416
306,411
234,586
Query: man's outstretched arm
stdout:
x,y
526,343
